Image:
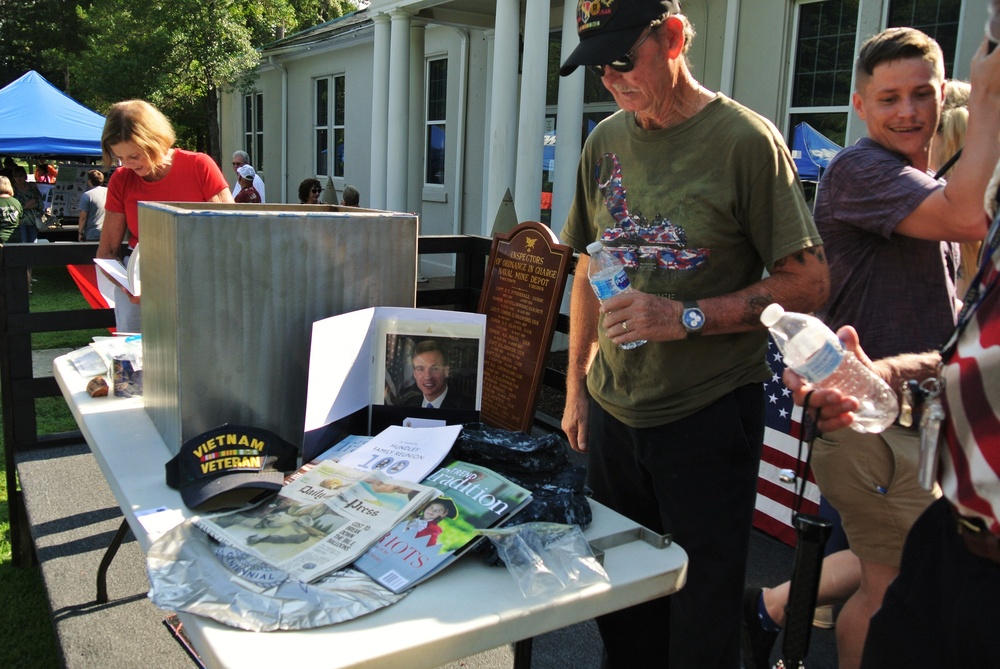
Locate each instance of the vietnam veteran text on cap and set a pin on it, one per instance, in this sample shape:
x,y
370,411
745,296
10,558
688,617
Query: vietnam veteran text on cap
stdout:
x,y
229,466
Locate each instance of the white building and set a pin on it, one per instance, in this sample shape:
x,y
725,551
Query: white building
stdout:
x,y
440,106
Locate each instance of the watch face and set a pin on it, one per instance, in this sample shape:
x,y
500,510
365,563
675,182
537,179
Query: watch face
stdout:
x,y
693,319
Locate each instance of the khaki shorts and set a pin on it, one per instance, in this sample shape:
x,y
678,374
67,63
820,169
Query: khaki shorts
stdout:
x,y
871,479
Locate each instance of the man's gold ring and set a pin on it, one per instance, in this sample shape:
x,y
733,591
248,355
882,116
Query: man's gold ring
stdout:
x,y
625,326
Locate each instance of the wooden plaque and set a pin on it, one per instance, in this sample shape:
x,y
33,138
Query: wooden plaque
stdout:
x,y
522,292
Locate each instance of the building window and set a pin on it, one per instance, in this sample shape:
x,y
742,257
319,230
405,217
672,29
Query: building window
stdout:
x,y
253,128
437,112
329,124
824,64
937,18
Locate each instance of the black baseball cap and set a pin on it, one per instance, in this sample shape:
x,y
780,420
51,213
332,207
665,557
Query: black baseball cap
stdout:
x,y
609,28
229,466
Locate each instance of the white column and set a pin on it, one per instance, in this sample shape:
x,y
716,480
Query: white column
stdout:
x,y
531,119
569,116
399,110
380,111
503,108
415,171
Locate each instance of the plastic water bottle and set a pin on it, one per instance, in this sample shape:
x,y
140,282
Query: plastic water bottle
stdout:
x,y
816,354
607,278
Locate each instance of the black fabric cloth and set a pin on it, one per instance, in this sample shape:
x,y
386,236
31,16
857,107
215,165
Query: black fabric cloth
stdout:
x,y
942,610
538,463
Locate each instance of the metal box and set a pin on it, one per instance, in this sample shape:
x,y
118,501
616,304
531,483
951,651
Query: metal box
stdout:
x,y
229,296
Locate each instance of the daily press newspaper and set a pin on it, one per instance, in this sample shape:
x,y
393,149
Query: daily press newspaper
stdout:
x,y
321,521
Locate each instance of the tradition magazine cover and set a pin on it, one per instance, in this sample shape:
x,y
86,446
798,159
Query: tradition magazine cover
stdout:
x,y
443,528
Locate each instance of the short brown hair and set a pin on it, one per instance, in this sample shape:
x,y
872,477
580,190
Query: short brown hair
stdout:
x,y
140,123
895,44
95,177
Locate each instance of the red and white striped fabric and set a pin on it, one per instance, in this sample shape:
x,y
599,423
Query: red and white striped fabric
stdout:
x,y
776,500
970,468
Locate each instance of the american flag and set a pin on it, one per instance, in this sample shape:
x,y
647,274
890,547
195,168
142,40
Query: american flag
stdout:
x,y
398,368
776,500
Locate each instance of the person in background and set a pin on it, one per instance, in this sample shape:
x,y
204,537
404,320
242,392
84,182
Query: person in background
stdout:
x,y
248,193
139,138
10,212
674,429
351,198
241,158
46,173
91,218
8,168
891,231
948,141
31,201
309,191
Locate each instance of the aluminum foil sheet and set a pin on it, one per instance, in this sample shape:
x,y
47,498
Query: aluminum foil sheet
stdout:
x,y
191,572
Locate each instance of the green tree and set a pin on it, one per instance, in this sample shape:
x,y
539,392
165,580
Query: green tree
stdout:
x,y
41,35
177,54
310,13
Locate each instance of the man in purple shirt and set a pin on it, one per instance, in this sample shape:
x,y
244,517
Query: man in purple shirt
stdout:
x,y
890,232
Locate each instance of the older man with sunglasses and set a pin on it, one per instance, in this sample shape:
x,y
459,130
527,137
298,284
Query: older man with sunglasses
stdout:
x,y
241,158
697,195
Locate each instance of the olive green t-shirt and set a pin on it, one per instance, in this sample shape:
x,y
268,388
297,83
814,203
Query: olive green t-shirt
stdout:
x,y
695,211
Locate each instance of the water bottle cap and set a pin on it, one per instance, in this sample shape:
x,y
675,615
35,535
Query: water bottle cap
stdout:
x,y
772,314
594,247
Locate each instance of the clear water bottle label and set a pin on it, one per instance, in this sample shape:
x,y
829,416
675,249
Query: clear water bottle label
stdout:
x,y
609,284
822,363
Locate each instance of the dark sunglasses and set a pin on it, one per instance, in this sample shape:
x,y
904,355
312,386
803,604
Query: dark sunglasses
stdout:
x,y
238,164
627,62
315,190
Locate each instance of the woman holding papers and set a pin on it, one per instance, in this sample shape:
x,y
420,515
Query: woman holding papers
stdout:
x,y
139,139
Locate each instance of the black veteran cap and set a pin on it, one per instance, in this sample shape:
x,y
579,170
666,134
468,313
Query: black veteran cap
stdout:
x,y
229,466
609,28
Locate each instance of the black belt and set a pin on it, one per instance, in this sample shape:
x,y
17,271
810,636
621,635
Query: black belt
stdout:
x,y
977,537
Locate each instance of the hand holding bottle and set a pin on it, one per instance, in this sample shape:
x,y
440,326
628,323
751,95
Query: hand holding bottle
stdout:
x,y
816,354
607,278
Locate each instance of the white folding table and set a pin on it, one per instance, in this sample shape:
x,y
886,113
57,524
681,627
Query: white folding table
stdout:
x,y
468,608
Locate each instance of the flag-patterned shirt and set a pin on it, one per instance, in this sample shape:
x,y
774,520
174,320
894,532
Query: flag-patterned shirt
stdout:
x,y
970,466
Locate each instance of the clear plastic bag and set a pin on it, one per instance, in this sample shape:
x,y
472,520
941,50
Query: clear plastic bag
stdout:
x,y
547,558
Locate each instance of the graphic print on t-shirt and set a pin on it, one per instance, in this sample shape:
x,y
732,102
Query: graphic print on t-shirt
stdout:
x,y
636,240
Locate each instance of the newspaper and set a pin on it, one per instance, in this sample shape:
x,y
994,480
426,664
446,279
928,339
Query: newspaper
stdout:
x,y
321,521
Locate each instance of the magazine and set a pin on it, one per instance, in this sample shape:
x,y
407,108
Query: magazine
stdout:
x,y
407,453
321,521
444,528
126,276
348,444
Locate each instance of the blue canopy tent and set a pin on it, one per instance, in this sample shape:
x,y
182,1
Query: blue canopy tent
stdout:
x,y
36,118
811,151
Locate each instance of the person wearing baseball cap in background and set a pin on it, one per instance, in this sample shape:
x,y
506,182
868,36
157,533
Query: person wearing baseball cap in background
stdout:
x,y
241,158
248,194
697,195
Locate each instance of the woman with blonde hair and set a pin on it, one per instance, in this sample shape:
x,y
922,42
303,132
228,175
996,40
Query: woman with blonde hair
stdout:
x,y
139,140
948,141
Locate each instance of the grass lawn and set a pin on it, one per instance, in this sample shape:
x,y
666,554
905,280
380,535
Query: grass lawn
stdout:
x,y
28,637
